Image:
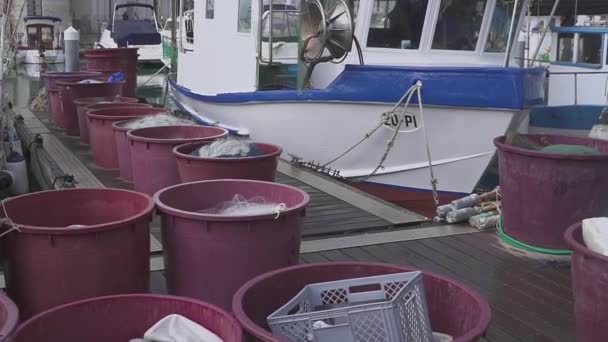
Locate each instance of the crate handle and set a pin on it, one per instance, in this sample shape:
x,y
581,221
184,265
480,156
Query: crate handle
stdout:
x,y
365,288
294,310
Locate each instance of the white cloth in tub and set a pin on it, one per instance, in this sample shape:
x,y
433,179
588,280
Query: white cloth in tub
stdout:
x,y
595,234
176,328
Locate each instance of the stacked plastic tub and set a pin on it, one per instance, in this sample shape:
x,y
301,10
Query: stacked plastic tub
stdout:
x,y
9,317
50,84
72,91
123,59
102,141
208,256
81,243
195,168
123,318
454,308
590,281
81,105
543,193
153,163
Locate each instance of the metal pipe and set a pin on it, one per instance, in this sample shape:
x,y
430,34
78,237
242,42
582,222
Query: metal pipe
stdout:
x,y
173,35
270,29
542,38
182,24
511,34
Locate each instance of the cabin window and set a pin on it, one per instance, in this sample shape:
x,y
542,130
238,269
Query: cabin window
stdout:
x,y
501,22
244,25
459,24
397,24
565,47
590,49
46,34
210,9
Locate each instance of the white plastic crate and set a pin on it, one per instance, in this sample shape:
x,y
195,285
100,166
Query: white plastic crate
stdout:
x,y
387,308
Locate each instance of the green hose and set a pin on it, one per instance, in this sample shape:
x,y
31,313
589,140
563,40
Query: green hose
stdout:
x,y
516,243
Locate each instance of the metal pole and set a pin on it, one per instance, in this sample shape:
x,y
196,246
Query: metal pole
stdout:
x,y
270,31
174,35
182,23
511,34
542,38
71,45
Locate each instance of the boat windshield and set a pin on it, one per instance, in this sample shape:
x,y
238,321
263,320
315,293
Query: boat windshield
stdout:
x,y
397,24
459,24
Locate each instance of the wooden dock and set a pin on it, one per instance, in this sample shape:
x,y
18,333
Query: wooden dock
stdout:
x,y
530,294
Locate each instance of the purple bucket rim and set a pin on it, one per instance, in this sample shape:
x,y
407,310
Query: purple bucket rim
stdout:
x,y
499,142
248,325
12,316
131,49
209,217
223,313
89,100
70,74
117,105
278,150
579,247
133,135
95,113
118,126
89,228
66,84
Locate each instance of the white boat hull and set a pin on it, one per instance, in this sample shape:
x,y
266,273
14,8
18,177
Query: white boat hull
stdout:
x,y
147,53
461,138
33,57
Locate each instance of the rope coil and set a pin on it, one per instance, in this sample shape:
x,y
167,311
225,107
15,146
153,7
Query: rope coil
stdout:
x,y
7,220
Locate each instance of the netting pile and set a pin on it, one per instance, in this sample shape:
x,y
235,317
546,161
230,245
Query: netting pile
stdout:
x,y
157,120
241,206
228,148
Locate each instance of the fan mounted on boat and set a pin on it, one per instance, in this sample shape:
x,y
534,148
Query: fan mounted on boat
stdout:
x,y
327,34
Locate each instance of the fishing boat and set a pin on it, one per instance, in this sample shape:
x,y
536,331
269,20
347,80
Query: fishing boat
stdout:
x,y
578,79
333,96
41,42
135,25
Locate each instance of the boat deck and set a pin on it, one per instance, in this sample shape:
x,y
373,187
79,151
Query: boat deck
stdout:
x,y
530,294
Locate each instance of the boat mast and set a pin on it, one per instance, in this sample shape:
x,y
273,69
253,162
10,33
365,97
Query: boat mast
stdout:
x,y
542,38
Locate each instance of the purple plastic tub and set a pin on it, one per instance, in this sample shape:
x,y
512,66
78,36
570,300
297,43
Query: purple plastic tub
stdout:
x,y
543,194
455,309
209,257
81,105
52,92
9,317
590,280
122,318
124,59
70,92
153,163
102,139
51,261
192,168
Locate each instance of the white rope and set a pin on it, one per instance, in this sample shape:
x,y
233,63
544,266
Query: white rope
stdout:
x,y
434,180
278,209
8,221
383,120
408,98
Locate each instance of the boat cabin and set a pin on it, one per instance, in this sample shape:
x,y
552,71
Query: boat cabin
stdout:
x,y
135,24
42,33
579,65
258,42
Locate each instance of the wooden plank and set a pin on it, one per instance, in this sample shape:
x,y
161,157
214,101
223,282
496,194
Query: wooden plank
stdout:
x,y
359,199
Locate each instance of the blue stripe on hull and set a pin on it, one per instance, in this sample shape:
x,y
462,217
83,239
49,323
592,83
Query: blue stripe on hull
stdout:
x,y
473,87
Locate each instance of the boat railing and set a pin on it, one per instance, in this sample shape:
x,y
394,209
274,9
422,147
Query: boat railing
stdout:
x,y
268,14
576,74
